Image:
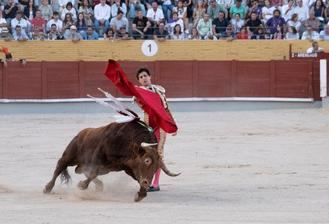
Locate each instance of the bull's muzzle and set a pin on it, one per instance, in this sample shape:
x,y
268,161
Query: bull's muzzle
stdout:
x,y
144,183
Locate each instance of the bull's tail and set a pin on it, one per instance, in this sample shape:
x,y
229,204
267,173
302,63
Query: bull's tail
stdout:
x,y
65,176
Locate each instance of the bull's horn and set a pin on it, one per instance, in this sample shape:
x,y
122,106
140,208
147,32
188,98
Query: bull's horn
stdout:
x,y
144,144
165,169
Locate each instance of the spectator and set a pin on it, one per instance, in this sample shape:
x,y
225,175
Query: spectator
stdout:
x,y
267,11
46,10
275,21
228,34
182,13
301,10
167,7
238,8
292,33
313,22
37,34
237,23
318,9
122,34
161,33
219,24
55,20
86,8
177,33
194,34
81,23
109,34
102,13
68,22
243,34
117,6
279,34
260,33
88,19
315,48
155,14
90,34
294,21
23,4
287,10
3,22
134,7
119,21
205,26
5,34
19,20
310,34
253,23
68,9
55,6
54,34
173,22
141,27
63,4
38,23
29,10
255,8
324,34
20,34
214,9
198,13
10,10
72,34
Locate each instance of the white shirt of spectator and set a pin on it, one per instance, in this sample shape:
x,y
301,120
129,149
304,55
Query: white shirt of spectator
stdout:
x,y
72,11
155,15
225,3
22,22
324,35
123,22
302,13
167,2
267,13
181,12
114,9
297,24
2,21
173,24
314,35
310,50
59,24
102,12
62,3
284,9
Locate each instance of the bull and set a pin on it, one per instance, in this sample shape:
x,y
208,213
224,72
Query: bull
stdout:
x,y
129,147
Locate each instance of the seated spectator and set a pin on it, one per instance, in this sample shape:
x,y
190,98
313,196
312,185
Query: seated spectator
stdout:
x,y
161,33
237,23
10,10
69,9
318,9
88,19
86,8
301,10
81,24
167,7
117,6
173,22
109,34
181,11
260,34
198,12
72,34
46,10
243,34
141,27
267,11
275,21
194,34
313,22
90,34
19,34
5,34
29,10
219,25
54,34
102,14
292,33
23,23
294,21
68,22
253,23
279,34
3,22
228,34
119,21
238,8
205,26
122,34
177,33
315,48
255,8
63,3
38,22
37,34
287,10
134,7
324,34
55,20
155,14
310,34
214,8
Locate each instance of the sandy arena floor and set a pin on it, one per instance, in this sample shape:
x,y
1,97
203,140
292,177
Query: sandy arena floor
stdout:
x,y
264,166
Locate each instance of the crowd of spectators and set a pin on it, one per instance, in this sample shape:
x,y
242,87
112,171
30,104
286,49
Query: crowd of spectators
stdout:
x,y
164,19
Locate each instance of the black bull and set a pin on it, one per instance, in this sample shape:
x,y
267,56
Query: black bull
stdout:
x,y
115,147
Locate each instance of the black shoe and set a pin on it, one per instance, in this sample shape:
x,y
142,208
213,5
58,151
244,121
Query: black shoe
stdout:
x,y
152,189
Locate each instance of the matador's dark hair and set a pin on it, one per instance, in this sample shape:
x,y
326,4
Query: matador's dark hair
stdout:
x,y
142,70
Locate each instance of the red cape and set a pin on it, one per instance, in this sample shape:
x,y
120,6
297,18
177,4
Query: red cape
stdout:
x,y
149,101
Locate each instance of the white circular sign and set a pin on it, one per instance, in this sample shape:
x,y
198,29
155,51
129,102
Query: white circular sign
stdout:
x,y
149,48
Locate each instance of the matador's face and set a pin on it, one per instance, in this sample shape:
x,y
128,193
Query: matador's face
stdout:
x,y
144,79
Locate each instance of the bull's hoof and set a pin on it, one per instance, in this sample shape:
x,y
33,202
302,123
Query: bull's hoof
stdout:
x,y
139,196
83,185
47,189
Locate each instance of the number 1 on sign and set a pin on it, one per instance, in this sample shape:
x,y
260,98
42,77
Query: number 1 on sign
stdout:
x,y
149,48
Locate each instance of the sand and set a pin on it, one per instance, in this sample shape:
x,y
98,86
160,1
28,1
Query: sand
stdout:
x,y
264,166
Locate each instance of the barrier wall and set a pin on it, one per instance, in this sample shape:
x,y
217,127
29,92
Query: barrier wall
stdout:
x,y
48,80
